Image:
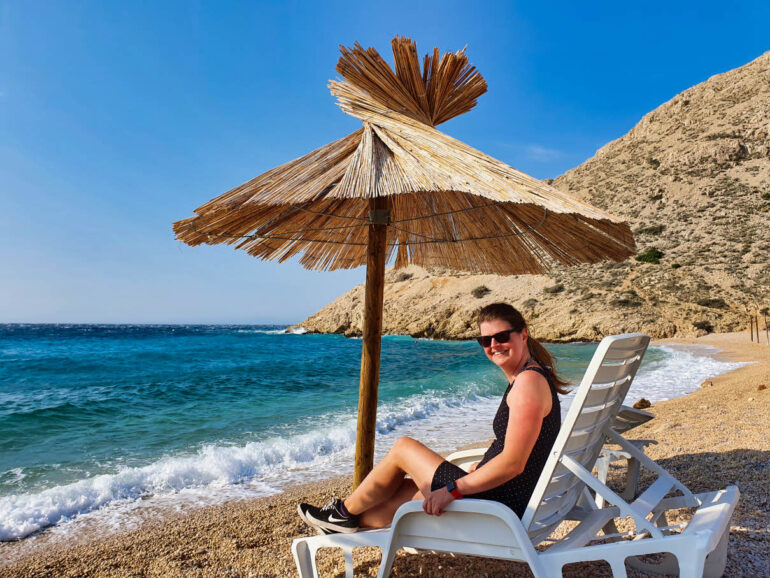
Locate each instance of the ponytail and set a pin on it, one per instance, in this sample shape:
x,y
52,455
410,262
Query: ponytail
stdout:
x,y
546,361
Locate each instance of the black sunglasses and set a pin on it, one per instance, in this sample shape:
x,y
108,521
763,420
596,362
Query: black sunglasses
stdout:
x,y
501,337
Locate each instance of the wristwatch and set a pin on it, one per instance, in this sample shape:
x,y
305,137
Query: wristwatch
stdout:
x,y
451,487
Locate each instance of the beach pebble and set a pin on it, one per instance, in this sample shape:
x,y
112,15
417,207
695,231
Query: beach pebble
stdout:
x,y
761,387
751,399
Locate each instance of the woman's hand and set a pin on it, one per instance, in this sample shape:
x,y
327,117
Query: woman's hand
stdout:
x,y
473,467
436,501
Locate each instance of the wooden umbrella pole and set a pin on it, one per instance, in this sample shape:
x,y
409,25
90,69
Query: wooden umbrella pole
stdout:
x,y
370,352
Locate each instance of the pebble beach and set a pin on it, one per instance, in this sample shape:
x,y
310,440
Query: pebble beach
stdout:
x,y
708,439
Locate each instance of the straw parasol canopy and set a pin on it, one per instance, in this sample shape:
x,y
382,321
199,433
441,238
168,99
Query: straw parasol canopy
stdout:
x,y
398,189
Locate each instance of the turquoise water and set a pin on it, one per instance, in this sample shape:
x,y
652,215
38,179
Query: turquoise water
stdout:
x,y
94,415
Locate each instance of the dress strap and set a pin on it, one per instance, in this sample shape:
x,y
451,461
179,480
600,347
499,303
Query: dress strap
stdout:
x,y
537,368
526,367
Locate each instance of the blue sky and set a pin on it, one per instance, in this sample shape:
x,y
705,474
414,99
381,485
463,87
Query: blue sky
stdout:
x,y
118,118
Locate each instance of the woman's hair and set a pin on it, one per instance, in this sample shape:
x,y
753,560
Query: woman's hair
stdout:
x,y
506,312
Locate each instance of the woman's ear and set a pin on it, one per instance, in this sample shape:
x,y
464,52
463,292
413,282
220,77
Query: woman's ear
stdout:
x,y
525,334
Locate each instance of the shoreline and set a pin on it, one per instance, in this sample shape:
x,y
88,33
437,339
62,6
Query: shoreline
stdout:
x,y
727,415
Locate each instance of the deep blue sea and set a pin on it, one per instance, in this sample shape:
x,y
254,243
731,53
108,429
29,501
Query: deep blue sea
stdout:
x,y
98,419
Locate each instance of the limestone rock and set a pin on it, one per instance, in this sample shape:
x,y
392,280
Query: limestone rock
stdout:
x,y
642,403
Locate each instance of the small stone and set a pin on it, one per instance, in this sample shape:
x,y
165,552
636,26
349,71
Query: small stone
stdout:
x,y
704,407
751,399
761,387
642,404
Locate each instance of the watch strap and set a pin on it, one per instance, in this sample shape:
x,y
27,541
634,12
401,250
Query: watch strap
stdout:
x,y
452,489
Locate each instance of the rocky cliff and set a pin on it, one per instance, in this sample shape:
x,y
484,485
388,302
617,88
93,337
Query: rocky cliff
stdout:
x,y
692,178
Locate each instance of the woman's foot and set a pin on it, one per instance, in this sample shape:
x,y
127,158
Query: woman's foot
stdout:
x,y
333,517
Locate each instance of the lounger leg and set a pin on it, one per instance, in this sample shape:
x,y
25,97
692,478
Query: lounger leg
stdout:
x,y
388,556
716,561
618,566
304,558
602,470
348,553
690,564
632,479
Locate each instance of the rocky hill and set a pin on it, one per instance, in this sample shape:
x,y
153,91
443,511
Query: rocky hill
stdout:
x,y
692,178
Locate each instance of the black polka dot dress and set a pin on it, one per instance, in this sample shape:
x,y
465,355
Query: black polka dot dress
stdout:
x,y
514,493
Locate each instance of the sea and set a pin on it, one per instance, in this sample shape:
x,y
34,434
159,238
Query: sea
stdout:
x,y
100,424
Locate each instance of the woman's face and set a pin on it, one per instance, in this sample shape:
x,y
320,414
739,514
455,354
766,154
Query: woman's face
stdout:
x,y
508,356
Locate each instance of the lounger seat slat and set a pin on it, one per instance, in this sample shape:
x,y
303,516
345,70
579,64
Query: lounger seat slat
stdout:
x,y
557,488
612,374
569,498
596,418
589,440
601,395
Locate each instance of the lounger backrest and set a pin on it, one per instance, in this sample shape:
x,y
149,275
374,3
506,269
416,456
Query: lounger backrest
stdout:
x,y
597,402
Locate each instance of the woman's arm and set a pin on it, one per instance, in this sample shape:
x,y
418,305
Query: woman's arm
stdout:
x,y
528,403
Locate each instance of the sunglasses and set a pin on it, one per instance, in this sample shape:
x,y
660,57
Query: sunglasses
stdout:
x,y
501,337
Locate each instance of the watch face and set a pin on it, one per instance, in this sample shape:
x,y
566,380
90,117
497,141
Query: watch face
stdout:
x,y
451,486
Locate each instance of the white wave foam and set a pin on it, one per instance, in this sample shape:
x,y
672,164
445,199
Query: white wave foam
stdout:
x,y
680,372
222,472
261,465
213,467
298,331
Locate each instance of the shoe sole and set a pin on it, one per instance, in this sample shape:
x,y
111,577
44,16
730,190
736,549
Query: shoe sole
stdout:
x,y
326,526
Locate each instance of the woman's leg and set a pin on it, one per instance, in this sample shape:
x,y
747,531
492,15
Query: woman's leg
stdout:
x,y
382,514
386,480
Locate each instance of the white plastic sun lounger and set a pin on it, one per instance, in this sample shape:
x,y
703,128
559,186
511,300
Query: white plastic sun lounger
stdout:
x,y
490,529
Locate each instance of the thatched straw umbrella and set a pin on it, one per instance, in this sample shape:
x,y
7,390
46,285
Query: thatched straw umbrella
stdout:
x,y
400,188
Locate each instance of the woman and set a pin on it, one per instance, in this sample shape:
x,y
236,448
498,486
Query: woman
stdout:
x,y
525,426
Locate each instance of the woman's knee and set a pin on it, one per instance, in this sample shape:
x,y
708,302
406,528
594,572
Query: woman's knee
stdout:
x,y
404,443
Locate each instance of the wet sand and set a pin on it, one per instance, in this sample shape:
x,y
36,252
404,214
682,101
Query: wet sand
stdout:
x,y
716,436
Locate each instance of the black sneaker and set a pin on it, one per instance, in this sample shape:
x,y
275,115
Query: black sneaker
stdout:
x,y
328,519
318,530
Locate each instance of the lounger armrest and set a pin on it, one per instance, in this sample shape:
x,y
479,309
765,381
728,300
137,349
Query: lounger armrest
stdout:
x,y
466,505
469,526
639,413
629,418
465,458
